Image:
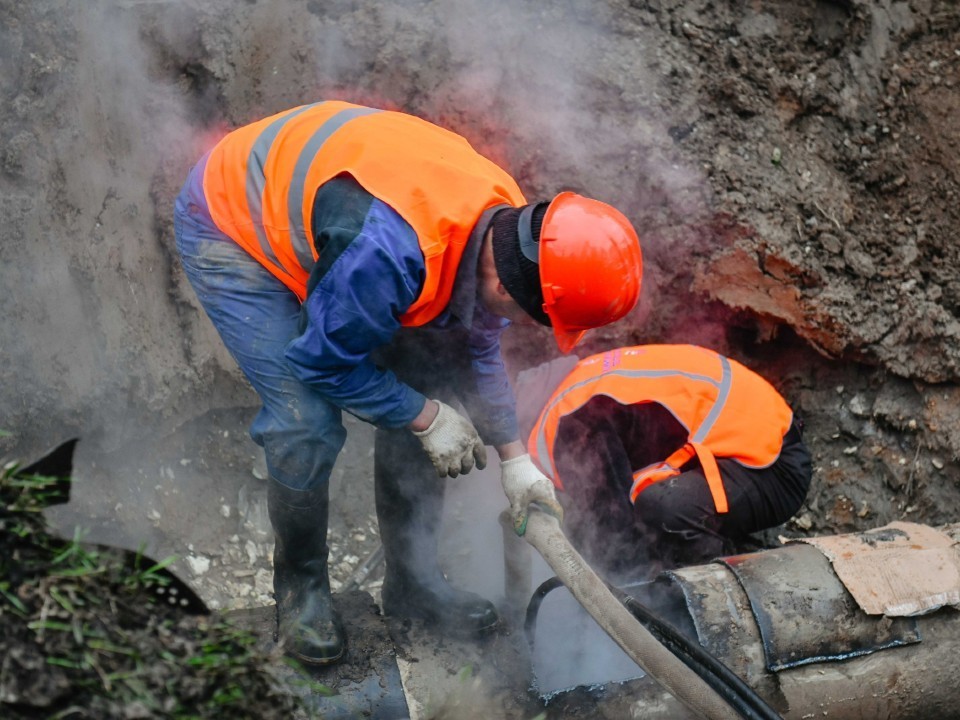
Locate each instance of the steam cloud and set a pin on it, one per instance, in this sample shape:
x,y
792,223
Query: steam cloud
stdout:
x,y
147,86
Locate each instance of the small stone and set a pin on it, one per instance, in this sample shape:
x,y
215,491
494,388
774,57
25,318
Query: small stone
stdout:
x,y
263,582
858,406
937,463
858,260
259,469
831,243
225,511
198,564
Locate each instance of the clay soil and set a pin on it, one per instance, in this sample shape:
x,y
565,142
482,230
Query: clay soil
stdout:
x,y
792,169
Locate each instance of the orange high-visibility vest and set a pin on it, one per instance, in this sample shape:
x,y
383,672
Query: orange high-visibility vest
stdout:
x,y
727,410
260,182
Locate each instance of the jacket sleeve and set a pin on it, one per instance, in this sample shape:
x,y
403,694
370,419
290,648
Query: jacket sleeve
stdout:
x,y
353,306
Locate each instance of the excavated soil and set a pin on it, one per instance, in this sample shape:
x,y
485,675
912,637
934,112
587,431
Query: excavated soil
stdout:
x,y
792,169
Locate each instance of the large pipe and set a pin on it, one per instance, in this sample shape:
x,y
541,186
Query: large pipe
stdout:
x,y
544,533
912,681
848,665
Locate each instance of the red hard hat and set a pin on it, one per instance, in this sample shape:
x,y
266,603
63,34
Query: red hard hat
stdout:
x,y
590,266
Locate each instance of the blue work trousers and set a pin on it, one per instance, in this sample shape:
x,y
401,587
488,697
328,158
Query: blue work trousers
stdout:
x,y
257,316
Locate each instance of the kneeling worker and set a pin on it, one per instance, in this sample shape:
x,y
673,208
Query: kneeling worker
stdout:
x,y
668,455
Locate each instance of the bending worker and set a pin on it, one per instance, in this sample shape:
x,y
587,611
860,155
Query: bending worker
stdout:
x,y
368,261
668,455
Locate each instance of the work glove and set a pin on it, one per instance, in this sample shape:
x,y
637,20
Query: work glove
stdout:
x,y
452,443
524,484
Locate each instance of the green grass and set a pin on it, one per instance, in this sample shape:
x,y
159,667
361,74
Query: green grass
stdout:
x,y
105,642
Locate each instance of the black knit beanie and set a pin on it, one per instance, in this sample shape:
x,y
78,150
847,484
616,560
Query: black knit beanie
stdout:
x,y
519,273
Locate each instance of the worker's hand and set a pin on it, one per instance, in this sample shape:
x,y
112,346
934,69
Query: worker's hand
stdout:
x,y
452,443
524,484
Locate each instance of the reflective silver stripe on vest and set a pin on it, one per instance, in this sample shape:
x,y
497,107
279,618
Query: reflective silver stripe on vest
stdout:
x,y
723,391
299,238
256,180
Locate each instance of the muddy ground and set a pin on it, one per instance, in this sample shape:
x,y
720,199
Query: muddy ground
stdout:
x,y
792,169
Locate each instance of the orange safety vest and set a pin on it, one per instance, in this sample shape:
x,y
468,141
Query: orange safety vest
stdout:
x,y
727,410
260,182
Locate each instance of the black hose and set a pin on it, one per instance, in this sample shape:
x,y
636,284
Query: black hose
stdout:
x,y
730,686
533,607
741,697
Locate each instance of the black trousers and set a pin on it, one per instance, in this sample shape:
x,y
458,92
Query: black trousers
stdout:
x,y
674,522
409,494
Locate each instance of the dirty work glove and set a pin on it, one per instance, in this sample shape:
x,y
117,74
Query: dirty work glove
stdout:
x,y
452,443
523,484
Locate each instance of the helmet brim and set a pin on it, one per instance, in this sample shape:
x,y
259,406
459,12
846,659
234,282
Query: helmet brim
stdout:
x,y
567,340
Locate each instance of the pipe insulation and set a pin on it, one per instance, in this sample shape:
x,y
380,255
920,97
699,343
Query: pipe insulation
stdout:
x,y
544,534
915,681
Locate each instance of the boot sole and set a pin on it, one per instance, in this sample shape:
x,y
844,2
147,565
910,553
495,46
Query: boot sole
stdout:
x,y
453,629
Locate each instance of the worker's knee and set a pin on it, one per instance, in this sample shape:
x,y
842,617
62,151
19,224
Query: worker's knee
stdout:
x,y
300,452
681,505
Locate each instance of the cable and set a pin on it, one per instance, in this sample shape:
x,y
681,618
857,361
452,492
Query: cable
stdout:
x,y
717,675
533,607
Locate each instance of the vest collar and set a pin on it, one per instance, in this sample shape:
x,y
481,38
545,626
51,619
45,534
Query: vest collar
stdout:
x,y
463,299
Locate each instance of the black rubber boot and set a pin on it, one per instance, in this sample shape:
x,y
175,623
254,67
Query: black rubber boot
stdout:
x,y
409,497
307,624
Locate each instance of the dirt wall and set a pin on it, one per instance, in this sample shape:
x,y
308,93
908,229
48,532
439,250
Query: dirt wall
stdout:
x,y
792,170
